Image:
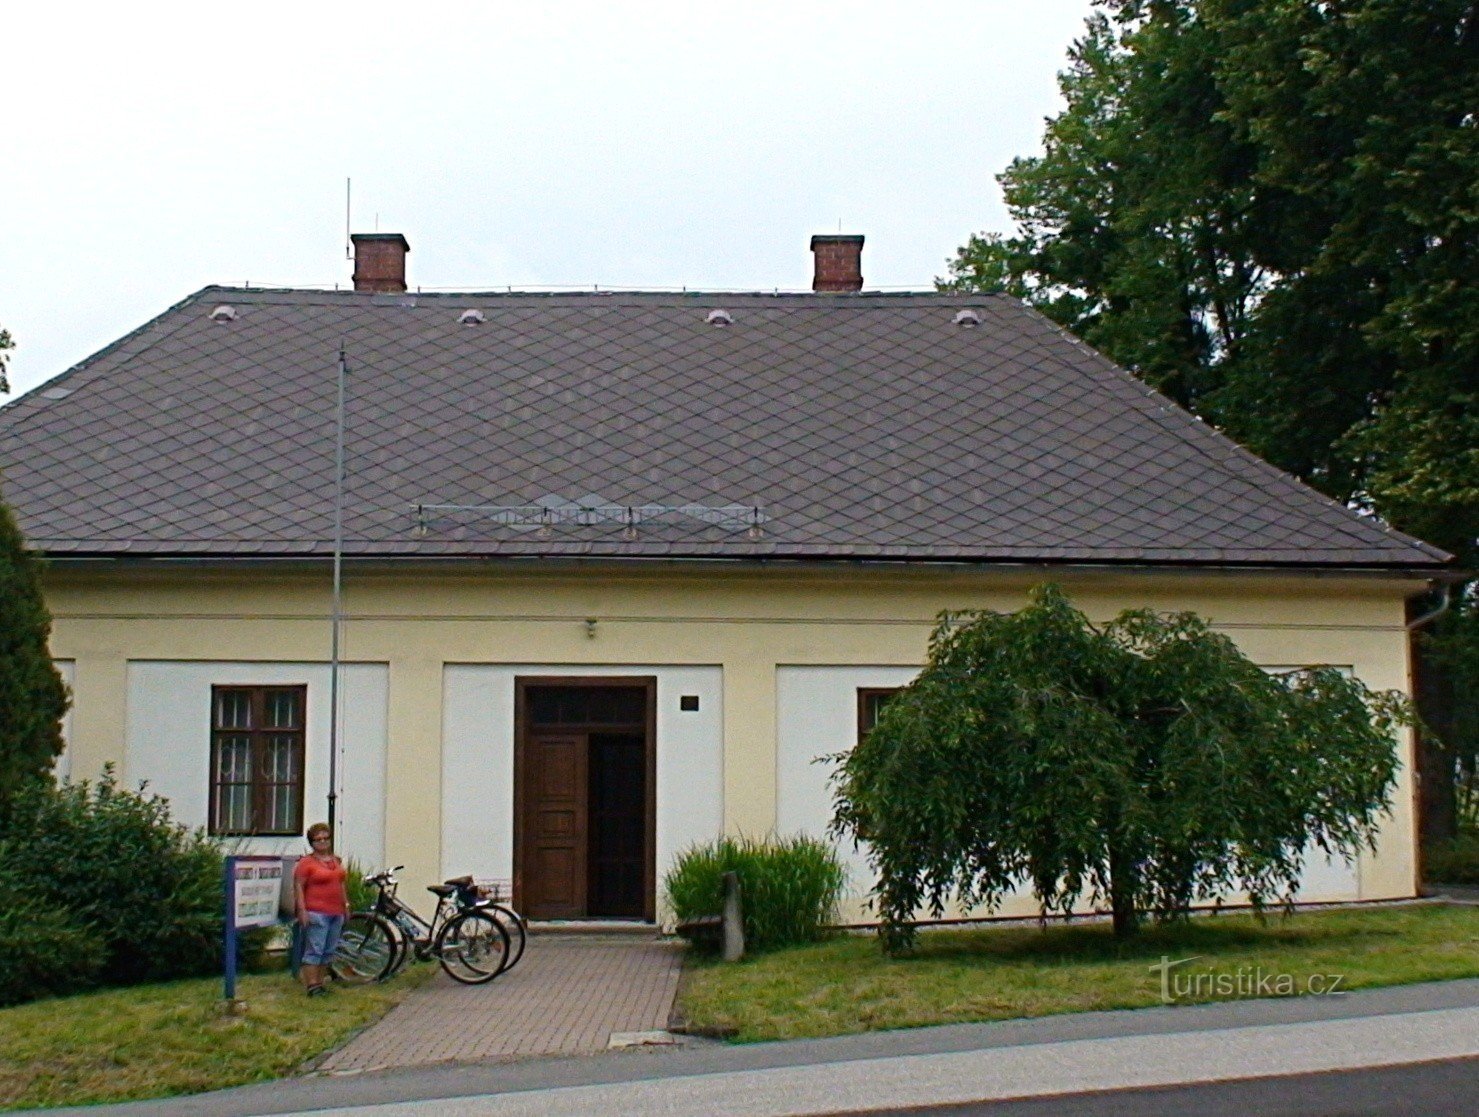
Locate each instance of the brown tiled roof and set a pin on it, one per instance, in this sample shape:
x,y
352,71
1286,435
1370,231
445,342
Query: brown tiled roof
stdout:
x,y
860,426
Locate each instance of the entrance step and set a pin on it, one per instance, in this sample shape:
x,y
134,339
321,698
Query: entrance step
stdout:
x,y
626,928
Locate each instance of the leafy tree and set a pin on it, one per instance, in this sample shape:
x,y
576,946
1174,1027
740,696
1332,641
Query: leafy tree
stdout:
x,y
1269,209
6,345
32,695
1147,763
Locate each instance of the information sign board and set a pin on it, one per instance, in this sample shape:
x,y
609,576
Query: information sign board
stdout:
x,y
258,881
251,885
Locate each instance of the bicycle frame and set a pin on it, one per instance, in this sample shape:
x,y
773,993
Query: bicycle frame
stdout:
x,y
418,934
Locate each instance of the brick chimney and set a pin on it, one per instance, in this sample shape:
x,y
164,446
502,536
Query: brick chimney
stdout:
x,y
839,262
380,261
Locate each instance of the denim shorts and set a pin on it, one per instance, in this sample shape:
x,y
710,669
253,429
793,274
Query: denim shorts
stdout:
x,y
321,938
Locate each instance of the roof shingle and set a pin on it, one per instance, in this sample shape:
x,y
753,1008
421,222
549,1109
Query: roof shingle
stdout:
x,y
862,426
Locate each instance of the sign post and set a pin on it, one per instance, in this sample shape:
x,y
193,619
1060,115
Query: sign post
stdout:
x,y
252,886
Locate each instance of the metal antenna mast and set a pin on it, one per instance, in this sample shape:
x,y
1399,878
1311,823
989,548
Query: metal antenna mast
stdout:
x,y
338,609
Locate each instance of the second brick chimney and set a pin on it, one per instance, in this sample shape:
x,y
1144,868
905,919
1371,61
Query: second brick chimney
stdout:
x,y
380,261
839,262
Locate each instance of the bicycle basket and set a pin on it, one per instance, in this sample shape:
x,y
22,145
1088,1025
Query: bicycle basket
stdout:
x,y
495,891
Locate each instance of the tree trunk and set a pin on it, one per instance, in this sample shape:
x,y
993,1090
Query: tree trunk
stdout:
x,y
1433,690
1122,888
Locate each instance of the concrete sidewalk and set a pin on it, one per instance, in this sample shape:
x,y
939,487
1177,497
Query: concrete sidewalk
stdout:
x,y
568,996
957,1078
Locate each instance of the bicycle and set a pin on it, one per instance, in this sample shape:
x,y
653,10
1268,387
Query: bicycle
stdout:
x,y
503,910
470,895
472,946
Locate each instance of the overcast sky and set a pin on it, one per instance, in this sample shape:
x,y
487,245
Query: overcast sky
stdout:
x,y
152,149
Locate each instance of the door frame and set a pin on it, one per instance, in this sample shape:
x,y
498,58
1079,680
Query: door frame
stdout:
x,y
522,685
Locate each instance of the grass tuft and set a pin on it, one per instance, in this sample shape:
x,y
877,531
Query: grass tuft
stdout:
x,y
789,887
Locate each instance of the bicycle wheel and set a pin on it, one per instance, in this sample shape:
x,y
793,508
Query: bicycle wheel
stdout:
x,y
473,948
366,950
399,949
518,935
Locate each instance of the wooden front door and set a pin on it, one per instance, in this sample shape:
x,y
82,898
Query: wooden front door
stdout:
x,y
556,822
585,829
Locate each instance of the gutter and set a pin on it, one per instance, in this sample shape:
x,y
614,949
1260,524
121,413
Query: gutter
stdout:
x,y
382,563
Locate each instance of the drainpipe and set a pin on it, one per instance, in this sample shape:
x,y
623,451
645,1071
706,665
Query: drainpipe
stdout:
x,y
1433,614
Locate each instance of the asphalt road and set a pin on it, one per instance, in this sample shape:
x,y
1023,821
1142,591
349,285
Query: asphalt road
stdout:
x,y
1449,1088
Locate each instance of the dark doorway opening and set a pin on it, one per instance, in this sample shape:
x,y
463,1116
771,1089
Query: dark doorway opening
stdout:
x,y
584,768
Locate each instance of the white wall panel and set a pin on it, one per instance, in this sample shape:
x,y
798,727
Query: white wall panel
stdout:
x,y
478,761
62,769
169,744
817,716
1324,878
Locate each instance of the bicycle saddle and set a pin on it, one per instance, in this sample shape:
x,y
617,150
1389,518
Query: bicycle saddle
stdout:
x,y
456,884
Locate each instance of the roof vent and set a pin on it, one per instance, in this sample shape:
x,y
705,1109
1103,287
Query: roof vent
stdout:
x,y
967,318
719,318
472,318
224,314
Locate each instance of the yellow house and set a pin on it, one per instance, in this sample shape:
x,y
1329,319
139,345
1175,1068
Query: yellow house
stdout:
x,y
619,568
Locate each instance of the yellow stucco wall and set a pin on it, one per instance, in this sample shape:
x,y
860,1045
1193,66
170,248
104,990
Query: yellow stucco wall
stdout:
x,y
746,620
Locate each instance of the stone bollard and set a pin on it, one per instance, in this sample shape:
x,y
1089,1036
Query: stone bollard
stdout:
x,y
733,923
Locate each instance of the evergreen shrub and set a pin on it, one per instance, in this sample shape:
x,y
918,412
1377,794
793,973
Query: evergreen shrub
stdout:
x,y
1455,861
32,696
789,887
43,951
145,890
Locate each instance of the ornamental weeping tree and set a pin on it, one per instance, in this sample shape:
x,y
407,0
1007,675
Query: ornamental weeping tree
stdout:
x,y
1147,764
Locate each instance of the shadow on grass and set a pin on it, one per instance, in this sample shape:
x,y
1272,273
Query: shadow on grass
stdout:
x,y
1095,942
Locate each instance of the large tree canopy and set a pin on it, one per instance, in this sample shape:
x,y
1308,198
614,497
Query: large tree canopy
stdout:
x,y
1269,209
1146,763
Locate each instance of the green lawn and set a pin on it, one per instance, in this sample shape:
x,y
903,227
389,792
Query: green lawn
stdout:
x,y
152,1041
996,973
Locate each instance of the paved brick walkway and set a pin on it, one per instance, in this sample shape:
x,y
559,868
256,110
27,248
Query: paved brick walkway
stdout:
x,y
566,997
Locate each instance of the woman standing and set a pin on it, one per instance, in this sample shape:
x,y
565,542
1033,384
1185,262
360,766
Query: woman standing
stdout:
x,y
322,903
